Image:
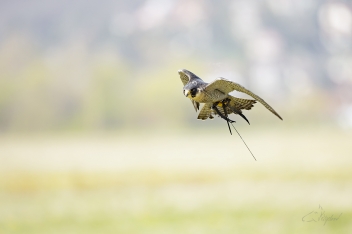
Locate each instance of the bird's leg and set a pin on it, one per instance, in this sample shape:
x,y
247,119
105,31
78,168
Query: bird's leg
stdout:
x,y
220,114
235,110
224,105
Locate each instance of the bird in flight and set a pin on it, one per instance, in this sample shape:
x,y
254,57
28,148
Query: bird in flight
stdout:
x,y
216,98
216,94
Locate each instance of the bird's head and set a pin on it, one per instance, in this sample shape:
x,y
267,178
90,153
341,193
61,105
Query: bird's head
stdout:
x,y
191,89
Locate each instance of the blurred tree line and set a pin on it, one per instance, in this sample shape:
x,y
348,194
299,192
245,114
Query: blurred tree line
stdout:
x,y
113,64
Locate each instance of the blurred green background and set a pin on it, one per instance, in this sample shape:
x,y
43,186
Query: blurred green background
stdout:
x,y
97,137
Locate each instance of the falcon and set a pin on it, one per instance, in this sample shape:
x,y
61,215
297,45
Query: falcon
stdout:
x,y
216,97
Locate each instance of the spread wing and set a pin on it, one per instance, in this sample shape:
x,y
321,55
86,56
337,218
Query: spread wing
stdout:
x,y
228,86
185,79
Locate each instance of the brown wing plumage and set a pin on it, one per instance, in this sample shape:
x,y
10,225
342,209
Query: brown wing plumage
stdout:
x,y
241,104
228,86
205,112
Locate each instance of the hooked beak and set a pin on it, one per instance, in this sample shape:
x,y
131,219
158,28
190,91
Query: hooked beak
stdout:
x,y
186,92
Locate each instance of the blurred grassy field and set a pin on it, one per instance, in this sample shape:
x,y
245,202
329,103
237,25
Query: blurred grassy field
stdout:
x,y
195,181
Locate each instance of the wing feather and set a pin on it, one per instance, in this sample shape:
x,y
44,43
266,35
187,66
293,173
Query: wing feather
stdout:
x,y
241,104
184,77
228,86
205,112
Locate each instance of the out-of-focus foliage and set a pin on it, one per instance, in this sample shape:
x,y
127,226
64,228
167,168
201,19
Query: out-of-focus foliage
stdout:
x,y
179,183
109,64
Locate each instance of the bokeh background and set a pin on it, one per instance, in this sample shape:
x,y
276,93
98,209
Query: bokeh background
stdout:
x,y
97,137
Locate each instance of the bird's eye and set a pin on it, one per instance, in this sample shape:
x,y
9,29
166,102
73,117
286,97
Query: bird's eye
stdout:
x,y
193,92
